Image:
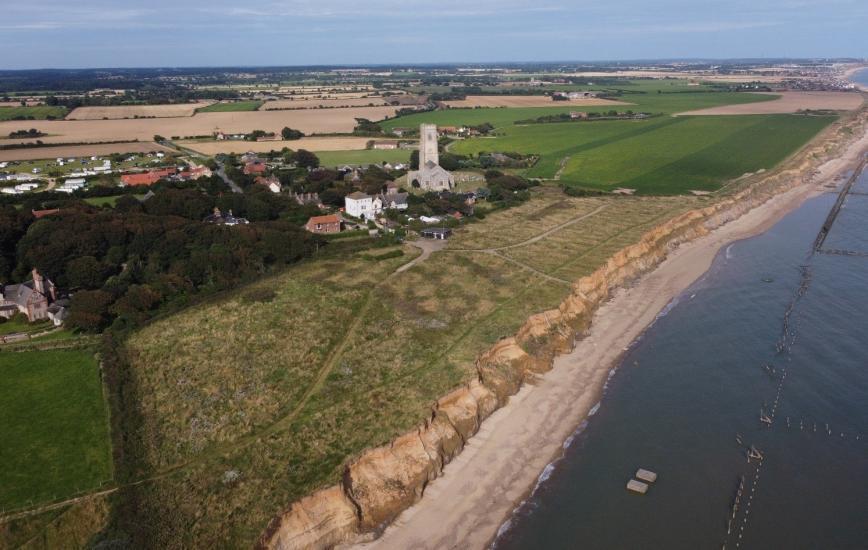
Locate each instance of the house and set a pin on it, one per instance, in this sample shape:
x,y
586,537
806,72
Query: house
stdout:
x,y
254,167
324,224
58,312
31,298
195,172
441,233
361,205
271,182
401,131
392,199
147,178
384,145
220,218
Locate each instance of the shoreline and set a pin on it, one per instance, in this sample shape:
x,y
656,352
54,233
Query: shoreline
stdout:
x,y
478,492
848,75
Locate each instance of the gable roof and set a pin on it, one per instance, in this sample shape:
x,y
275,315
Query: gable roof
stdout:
x,y
329,218
358,195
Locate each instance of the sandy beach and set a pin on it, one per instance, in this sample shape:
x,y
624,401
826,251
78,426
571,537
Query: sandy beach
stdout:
x,y
501,464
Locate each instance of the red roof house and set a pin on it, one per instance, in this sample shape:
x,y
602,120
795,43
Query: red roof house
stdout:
x,y
324,224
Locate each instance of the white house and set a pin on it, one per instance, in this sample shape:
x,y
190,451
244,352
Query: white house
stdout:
x,y
361,205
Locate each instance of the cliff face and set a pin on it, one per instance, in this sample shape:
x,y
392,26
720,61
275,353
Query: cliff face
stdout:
x,y
384,481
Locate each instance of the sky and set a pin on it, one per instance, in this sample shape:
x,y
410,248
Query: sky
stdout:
x,y
186,33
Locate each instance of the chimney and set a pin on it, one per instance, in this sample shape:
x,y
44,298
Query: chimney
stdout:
x,y
37,282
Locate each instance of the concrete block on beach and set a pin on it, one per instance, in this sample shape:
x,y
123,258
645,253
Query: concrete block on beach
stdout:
x,y
646,475
637,486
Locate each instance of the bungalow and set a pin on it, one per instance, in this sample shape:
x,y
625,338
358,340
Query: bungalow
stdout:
x,y
441,233
147,178
324,224
384,145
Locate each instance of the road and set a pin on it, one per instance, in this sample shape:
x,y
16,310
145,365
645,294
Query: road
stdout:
x,y
222,173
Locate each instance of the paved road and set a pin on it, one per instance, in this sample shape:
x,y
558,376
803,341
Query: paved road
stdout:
x,y
222,173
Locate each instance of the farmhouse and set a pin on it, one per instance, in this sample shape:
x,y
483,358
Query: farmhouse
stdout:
x,y
361,205
324,224
430,176
31,298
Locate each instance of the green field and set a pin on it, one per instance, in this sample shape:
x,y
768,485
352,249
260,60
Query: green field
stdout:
x,y
110,201
231,106
38,113
53,426
664,155
647,102
363,157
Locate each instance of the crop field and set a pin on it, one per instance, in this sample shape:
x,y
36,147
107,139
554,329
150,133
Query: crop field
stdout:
x,y
310,143
309,121
790,102
136,111
662,155
53,426
529,101
314,103
345,354
78,151
231,106
40,112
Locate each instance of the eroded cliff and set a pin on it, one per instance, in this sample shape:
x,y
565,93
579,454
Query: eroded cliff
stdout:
x,y
382,482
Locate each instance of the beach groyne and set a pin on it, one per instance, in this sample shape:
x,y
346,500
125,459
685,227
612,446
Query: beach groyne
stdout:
x,y
382,482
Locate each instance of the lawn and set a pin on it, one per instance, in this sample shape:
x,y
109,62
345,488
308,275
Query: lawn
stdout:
x,y
231,106
35,113
110,201
17,325
363,157
53,426
663,155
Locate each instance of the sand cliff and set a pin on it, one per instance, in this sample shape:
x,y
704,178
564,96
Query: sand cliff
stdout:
x,y
383,482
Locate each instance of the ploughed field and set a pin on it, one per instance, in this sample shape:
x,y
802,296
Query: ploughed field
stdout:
x,y
261,396
53,427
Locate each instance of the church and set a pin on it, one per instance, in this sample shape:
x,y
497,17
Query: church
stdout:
x,y
430,176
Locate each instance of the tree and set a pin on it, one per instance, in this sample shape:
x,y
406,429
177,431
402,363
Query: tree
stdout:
x,y
291,134
85,272
305,159
89,310
158,138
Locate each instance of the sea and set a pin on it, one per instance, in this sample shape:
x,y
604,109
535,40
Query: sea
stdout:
x,y
768,352
861,77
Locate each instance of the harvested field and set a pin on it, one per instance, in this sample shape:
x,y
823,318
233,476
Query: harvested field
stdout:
x,y
309,121
789,102
309,143
314,103
529,101
74,151
132,111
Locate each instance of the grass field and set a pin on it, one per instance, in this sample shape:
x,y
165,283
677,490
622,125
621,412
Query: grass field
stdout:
x,y
665,155
53,426
363,157
231,107
110,201
38,113
14,325
649,102
346,355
